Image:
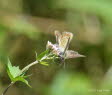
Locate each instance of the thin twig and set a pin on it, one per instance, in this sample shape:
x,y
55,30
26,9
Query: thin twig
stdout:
x,y
4,92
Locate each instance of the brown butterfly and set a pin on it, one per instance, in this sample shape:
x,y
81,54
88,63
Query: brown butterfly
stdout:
x,y
61,47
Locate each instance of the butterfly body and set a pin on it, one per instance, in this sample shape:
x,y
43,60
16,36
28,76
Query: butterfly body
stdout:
x,y
61,47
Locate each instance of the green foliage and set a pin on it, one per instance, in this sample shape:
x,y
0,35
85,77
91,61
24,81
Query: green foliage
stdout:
x,y
46,55
22,79
44,63
43,55
16,74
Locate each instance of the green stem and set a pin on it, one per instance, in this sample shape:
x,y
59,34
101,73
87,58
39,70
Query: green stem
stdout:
x,y
28,66
4,92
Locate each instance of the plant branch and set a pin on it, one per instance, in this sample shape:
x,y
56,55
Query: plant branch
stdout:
x,y
28,66
4,92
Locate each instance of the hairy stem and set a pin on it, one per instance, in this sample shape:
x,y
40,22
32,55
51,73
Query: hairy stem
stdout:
x,y
4,92
28,66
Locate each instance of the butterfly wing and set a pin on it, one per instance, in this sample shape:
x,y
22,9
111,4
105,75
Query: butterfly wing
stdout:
x,y
53,47
64,40
57,34
73,54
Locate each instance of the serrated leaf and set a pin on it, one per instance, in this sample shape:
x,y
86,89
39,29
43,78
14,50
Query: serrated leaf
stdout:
x,y
9,74
12,71
22,79
15,74
43,54
44,63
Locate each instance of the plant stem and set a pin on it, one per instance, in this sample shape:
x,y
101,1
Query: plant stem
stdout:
x,y
28,66
4,92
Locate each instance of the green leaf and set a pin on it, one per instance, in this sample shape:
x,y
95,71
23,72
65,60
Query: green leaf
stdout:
x,y
44,63
20,78
9,74
27,76
15,74
12,71
43,54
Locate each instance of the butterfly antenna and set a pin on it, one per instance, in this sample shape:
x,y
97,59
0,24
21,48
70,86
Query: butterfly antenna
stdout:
x,y
68,42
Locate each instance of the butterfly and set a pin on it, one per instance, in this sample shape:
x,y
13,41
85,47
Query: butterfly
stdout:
x,y
62,44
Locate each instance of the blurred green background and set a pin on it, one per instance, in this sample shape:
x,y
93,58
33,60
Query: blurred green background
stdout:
x,y
27,25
